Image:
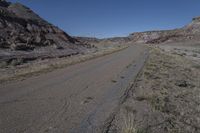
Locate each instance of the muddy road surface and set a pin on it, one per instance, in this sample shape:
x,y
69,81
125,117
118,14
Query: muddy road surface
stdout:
x,y
81,98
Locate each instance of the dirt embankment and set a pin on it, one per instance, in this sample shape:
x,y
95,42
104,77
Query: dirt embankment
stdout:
x,y
22,71
164,99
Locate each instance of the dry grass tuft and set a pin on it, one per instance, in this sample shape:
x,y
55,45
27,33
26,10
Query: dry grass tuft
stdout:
x,y
129,118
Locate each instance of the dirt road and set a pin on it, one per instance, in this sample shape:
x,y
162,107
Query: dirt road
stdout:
x,y
77,99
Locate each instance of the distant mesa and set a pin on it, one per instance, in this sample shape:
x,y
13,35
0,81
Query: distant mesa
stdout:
x,y
188,32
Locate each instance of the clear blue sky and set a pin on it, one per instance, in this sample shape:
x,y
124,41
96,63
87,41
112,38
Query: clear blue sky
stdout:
x,y
107,18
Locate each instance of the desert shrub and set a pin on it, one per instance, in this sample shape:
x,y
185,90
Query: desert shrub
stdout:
x,y
16,62
194,55
3,64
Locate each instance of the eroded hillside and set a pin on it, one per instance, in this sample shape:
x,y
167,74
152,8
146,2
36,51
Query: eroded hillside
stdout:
x,y
26,36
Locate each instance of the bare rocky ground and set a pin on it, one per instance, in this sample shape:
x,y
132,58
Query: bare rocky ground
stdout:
x,y
165,97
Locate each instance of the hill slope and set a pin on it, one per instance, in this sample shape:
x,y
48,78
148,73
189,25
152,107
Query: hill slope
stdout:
x,y
23,34
190,32
187,33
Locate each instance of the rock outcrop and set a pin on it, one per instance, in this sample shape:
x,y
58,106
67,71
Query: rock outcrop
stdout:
x,y
25,36
188,32
22,29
